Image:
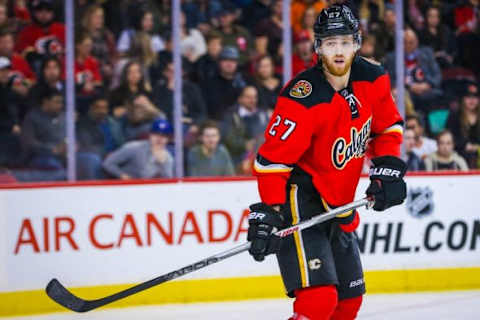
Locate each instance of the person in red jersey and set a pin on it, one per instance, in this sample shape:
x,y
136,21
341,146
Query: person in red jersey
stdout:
x,y
44,36
310,162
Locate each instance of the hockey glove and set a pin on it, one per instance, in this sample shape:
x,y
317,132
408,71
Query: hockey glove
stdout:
x,y
263,222
387,185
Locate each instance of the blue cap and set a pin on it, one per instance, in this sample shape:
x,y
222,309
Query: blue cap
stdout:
x,y
229,53
161,126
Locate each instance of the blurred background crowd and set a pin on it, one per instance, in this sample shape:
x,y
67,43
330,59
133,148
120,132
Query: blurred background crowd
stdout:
x,y
232,62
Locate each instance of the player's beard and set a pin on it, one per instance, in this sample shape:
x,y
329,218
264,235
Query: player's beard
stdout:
x,y
333,69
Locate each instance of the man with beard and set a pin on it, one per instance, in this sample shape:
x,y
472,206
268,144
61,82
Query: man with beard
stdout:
x,y
311,161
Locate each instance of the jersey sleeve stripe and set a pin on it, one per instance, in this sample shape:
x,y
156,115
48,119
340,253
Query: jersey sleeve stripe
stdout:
x,y
270,167
395,128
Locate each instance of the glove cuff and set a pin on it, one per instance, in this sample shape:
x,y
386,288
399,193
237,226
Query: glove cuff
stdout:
x,y
388,167
351,226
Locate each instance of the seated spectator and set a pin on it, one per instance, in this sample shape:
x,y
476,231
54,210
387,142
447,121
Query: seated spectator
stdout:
x,y
103,40
21,75
308,20
423,145
465,126
143,22
445,158
303,56
209,158
298,9
132,82
206,65
438,36
414,163
223,89
50,79
192,42
143,159
9,122
468,40
268,84
243,126
17,22
97,135
422,73
43,133
194,110
43,37
385,34
255,11
139,116
234,35
367,50
268,32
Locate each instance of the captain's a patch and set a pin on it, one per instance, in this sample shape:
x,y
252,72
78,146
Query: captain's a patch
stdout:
x,y
301,89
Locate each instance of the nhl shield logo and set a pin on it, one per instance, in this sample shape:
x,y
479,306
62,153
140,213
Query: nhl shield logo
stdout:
x,y
420,202
301,89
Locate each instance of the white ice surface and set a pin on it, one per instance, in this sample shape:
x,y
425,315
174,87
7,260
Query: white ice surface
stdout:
x,y
439,306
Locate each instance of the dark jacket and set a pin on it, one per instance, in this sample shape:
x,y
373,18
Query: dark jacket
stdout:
x,y
91,137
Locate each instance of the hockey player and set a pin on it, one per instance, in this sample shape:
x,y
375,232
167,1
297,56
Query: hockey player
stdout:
x,y
311,161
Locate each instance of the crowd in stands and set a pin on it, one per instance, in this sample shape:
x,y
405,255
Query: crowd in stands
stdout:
x,y
232,65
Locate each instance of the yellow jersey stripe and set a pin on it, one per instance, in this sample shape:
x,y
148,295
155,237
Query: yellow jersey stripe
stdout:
x,y
298,237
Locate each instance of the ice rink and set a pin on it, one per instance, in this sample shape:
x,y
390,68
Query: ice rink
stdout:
x,y
439,306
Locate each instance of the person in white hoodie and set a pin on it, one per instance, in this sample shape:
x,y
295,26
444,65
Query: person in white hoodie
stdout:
x,y
445,158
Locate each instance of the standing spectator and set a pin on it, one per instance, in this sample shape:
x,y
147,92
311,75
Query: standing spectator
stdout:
x,y
423,145
143,159
235,35
139,116
439,37
194,109
44,36
445,158
243,126
143,22
414,163
192,41
267,82
97,135
422,75
465,126
303,56
268,32
9,123
209,158
206,65
43,133
132,82
222,90
103,40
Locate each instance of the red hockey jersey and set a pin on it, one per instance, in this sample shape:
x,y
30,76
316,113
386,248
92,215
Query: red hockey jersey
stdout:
x,y
325,133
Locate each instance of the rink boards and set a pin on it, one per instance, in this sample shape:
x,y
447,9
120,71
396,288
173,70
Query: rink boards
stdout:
x,y
98,238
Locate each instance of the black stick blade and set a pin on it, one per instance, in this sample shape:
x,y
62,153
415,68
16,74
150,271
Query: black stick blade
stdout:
x,y
58,293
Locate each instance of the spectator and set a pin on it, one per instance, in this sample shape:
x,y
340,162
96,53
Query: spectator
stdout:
x,y
244,125
414,163
140,114
21,16
422,75
206,65
97,135
43,37
466,20
385,34
7,22
308,20
223,89
22,76
367,50
43,133
445,158
194,109
438,36
235,35
9,122
465,126
103,40
268,32
192,41
298,9
415,15
423,145
255,11
468,40
303,56
132,82
267,82
371,13
143,22
50,79
143,159
209,158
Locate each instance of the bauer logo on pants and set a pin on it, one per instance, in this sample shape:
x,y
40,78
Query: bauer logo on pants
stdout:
x,y
301,89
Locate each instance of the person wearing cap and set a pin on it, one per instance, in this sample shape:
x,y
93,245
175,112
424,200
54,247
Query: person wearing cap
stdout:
x,y
222,90
143,159
303,56
465,125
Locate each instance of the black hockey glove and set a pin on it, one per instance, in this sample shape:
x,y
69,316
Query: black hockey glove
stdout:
x,y
387,186
263,222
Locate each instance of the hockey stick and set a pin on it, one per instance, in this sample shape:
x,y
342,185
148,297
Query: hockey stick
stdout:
x,y
58,293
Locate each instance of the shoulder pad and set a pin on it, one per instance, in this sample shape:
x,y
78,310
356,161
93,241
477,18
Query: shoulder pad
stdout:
x,y
309,88
364,69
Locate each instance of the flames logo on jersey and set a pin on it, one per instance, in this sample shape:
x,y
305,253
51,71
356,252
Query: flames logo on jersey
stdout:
x,y
342,152
301,89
